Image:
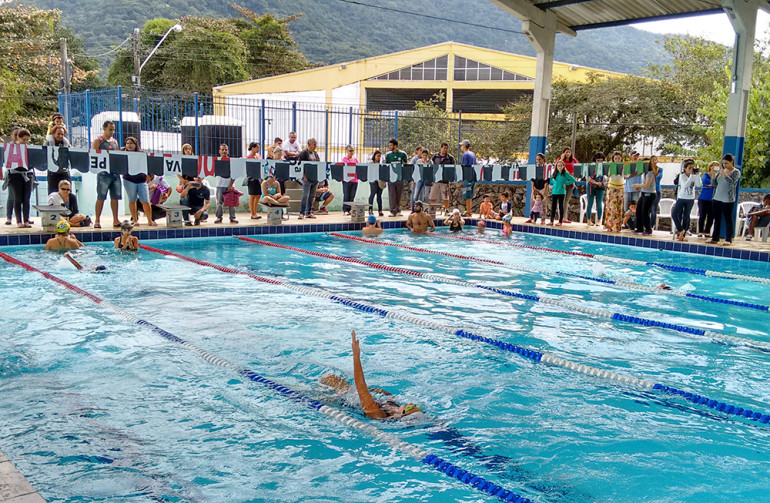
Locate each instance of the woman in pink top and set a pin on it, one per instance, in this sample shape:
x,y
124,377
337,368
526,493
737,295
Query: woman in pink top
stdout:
x,y
569,164
349,187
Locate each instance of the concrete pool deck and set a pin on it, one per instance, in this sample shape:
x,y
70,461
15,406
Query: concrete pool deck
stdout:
x,y
335,221
14,488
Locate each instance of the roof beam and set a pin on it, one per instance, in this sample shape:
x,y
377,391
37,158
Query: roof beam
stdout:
x,y
558,3
526,11
623,22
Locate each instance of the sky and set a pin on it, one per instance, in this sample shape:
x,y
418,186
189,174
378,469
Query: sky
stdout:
x,y
715,27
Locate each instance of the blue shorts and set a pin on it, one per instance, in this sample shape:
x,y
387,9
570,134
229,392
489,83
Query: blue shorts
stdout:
x,y
468,189
134,191
107,182
323,196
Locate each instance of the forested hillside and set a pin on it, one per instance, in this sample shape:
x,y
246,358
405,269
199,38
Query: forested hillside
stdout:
x,y
332,31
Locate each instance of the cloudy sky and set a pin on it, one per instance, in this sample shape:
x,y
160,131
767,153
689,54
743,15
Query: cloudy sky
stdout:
x,y
713,26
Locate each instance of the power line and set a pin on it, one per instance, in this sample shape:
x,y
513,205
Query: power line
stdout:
x,y
428,16
111,50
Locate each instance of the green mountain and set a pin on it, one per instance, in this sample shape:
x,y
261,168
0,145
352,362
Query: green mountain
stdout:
x,y
333,31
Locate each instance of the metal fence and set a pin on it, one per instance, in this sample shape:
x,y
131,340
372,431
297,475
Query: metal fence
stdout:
x,y
164,121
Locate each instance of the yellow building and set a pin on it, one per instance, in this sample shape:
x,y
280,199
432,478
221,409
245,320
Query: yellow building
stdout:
x,y
474,80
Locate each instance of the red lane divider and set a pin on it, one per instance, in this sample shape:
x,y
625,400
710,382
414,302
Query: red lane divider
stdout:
x,y
414,248
333,257
539,248
53,278
209,264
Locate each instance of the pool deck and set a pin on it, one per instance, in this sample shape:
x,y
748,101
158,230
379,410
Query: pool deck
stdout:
x,y
336,221
14,488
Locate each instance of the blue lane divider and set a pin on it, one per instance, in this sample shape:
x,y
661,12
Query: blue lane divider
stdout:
x,y
728,301
505,346
715,404
474,481
652,323
676,268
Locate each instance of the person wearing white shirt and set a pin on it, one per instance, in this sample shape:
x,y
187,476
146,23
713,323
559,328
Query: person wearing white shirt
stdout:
x,y
687,181
292,148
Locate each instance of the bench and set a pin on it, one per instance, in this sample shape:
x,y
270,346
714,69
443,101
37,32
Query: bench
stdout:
x,y
174,214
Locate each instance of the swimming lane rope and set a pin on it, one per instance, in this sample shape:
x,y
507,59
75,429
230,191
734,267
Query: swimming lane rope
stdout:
x,y
630,285
619,260
523,352
554,301
449,469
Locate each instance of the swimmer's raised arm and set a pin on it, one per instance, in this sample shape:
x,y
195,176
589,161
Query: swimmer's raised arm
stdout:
x,y
371,409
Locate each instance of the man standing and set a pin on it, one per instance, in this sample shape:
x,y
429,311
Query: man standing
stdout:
x,y
441,189
395,189
292,149
308,188
198,198
468,159
107,182
224,185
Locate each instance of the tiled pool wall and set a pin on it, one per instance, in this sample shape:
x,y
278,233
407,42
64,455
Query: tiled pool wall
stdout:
x,y
202,232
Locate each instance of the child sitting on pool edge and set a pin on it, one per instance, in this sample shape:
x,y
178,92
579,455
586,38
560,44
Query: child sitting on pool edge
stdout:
x,y
486,210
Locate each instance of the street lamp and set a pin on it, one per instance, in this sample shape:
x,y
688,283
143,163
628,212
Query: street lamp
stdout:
x,y
138,71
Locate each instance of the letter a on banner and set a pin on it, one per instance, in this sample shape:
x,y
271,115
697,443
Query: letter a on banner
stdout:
x,y
15,155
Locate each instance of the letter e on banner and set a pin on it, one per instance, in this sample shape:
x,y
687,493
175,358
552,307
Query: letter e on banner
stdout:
x,y
99,161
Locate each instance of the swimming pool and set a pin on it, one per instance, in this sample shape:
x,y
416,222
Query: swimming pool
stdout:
x,y
94,407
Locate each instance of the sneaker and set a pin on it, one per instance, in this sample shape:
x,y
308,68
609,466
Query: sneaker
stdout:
x,y
301,216
323,211
347,213
188,224
218,221
637,232
466,214
749,237
381,213
233,221
645,233
528,222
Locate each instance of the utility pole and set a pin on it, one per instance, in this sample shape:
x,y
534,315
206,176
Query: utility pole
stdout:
x,y
135,48
65,67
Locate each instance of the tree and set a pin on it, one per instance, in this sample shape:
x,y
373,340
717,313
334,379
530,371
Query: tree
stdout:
x,y
29,75
428,125
209,52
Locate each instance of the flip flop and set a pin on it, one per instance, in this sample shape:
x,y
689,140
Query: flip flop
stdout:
x,y
97,226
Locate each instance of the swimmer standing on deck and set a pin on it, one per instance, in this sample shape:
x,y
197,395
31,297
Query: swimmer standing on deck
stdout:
x,y
374,409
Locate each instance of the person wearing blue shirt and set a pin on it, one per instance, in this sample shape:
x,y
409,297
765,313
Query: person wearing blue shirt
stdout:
x,y
468,159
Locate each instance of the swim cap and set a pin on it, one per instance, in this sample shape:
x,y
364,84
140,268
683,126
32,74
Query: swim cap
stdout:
x,y
455,212
126,226
482,223
372,219
418,203
507,217
63,227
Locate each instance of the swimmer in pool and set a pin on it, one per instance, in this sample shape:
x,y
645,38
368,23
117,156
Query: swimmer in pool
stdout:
x,y
79,267
374,409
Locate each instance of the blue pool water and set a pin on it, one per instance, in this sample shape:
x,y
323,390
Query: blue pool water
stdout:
x,y
95,408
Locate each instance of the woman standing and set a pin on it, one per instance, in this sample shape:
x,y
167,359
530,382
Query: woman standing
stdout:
x,y
569,164
375,189
560,180
9,201
136,188
349,187
725,192
596,185
20,181
658,176
705,207
685,198
255,184
57,138
614,214
646,200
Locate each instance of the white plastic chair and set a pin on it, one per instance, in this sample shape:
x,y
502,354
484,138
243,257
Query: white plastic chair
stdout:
x,y
664,210
743,209
584,207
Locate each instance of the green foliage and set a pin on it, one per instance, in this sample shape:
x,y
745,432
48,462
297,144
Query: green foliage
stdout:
x,y
331,31
29,74
428,125
209,52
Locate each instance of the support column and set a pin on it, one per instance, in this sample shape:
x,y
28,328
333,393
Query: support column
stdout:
x,y
543,39
743,16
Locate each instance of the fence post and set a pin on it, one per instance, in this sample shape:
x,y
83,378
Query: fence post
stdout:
x,y
350,127
459,131
326,134
88,117
294,116
262,128
197,131
395,135
120,115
